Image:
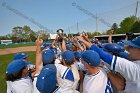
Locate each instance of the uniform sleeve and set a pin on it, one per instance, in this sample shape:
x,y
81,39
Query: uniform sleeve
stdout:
x,y
8,87
35,90
103,55
130,70
60,69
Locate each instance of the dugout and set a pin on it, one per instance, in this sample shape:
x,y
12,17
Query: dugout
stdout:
x,y
115,38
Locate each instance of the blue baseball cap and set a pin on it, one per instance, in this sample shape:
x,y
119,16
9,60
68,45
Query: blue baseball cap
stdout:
x,y
68,56
77,55
46,80
134,43
67,42
101,45
121,44
20,55
91,57
45,44
68,48
48,56
15,66
51,47
114,48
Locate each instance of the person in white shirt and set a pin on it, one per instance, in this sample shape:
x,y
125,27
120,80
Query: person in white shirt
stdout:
x,y
129,69
17,77
24,56
65,77
68,60
67,86
95,80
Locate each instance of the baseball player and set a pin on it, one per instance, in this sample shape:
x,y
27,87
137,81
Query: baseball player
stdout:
x,y
96,80
17,79
117,80
65,77
23,56
129,69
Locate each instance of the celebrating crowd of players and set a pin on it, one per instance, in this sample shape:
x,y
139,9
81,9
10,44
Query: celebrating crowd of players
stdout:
x,y
77,65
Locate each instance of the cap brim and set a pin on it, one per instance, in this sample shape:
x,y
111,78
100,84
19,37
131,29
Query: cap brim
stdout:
x,y
42,48
129,43
25,56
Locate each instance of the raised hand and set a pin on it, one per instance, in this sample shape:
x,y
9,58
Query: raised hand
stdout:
x,y
80,38
64,37
38,41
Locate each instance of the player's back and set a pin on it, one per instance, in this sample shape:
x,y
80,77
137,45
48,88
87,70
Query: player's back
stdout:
x,y
76,76
65,80
23,85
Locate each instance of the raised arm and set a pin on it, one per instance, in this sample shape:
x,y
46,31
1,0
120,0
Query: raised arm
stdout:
x,y
88,44
64,44
110,38
54,42
85,36
39,63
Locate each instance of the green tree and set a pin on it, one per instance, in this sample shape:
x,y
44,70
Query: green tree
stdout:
x,y
17,33
33,36
22,34
126,25
26,33
44,34
114,27
108,32
9,36
96,33
89,34
136,27
103,33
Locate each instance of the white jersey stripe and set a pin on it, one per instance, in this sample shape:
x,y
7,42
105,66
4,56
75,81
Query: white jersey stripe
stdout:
x,y
65,73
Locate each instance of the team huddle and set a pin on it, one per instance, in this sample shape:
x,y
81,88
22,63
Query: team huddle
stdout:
x,y
77,65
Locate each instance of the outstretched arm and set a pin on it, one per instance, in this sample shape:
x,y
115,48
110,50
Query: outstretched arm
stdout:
x,y
85,36
64,44
104,55
38,64
110,38
88,44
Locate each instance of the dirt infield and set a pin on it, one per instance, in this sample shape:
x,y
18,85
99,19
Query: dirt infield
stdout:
x,y
18,49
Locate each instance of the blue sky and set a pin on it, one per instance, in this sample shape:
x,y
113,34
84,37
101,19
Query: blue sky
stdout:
x,y
55,14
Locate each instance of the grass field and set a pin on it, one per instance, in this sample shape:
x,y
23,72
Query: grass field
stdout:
x,y
16,45
4,60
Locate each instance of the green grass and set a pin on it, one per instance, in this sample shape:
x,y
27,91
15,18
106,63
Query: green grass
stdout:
x,y
16,45
4,60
